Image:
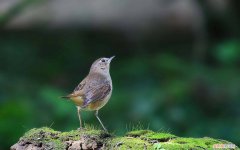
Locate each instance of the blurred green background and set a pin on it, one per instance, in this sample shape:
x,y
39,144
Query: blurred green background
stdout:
x,y
176,69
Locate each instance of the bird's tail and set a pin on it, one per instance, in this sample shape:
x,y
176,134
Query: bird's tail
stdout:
x,y
65,97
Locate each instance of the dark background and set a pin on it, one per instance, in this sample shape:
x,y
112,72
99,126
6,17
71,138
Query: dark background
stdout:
x,y
176,67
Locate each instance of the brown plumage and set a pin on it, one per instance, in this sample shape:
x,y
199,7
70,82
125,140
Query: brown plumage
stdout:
x,y
95,89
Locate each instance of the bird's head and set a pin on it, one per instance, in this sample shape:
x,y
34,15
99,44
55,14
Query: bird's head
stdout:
x,y
101,65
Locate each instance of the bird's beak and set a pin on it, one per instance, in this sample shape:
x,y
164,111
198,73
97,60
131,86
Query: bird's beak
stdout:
x,y
110,59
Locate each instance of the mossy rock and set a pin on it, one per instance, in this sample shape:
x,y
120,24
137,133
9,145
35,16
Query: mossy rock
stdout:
x,y
89,138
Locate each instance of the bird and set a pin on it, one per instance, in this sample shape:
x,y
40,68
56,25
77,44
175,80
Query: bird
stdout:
x,y
95,90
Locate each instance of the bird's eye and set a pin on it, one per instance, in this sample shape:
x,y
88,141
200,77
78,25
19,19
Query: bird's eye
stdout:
x,y
103,60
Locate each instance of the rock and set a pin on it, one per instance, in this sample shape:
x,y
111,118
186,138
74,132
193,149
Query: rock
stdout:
x,y
48,139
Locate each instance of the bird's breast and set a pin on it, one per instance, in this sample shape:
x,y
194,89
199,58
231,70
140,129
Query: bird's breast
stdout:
x,y
96,105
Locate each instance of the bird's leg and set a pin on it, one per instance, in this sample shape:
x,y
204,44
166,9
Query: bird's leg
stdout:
x,y
79,116
96,114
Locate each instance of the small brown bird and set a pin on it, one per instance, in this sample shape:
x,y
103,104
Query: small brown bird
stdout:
x,y
95,89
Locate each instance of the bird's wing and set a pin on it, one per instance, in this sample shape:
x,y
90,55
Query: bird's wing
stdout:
x,y
98,92
79,87
78,90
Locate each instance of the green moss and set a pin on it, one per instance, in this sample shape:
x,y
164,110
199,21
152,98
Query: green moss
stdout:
x,y
150,135
124,143
150,138
192,143
138,139
162,137
45,136
55,139
39,134
137,133
169,141
71,135
55,144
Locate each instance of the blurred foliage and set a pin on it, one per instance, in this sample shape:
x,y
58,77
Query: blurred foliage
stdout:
x,y
158,88
159,85
228,53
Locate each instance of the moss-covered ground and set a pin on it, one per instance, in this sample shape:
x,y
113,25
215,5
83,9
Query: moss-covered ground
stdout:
x,y
139,139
